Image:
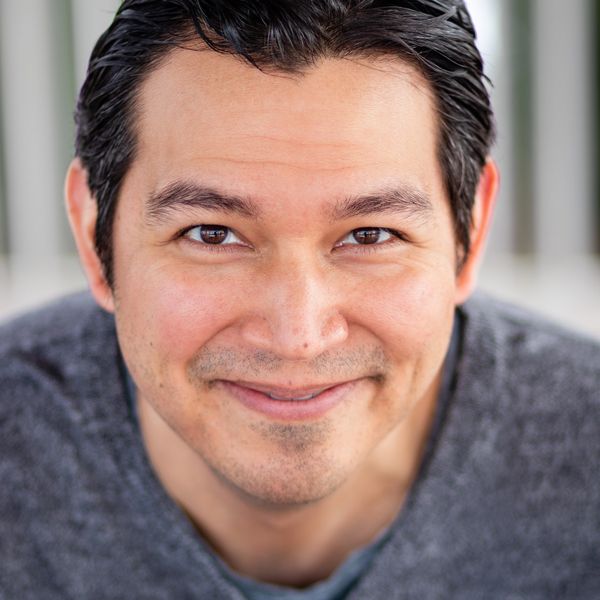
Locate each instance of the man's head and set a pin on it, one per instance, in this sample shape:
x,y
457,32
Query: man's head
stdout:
x,y
287,37
283,240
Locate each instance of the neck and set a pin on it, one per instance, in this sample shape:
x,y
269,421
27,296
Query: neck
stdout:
x,y
292,545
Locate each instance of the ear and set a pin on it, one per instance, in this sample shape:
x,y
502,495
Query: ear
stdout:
x,y
483,210
82,211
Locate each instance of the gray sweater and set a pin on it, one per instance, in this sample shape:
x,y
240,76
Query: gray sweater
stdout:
x,y
507,506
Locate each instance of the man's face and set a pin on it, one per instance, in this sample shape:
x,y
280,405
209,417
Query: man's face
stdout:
x,y
279,237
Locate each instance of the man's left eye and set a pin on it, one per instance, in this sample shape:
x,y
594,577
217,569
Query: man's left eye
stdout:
x,y
368,236
213,235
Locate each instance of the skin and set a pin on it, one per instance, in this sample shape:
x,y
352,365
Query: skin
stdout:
x,y
292,301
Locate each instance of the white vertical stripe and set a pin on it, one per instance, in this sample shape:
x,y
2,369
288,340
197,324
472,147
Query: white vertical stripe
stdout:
x,y
90,19
492,21
563,119
33,181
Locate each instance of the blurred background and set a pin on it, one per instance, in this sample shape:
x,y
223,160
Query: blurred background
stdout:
x,y
542,55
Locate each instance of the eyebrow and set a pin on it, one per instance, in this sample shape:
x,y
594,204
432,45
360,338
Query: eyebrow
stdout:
x,y
183,194
179,195
405,200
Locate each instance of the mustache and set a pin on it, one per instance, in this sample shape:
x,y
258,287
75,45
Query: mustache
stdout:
x,y
233,363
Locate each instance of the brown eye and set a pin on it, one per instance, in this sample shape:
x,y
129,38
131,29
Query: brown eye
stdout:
x,y
213,234
369,235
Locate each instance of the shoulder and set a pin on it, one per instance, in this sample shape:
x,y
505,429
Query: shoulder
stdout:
x,y
532,351
534,388
530,397
54,331
52,322
534,384
62,416
48,355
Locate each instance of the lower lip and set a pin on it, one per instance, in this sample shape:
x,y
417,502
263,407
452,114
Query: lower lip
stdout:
x,y
290,410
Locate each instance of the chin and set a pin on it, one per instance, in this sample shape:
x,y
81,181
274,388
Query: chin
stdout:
x,y
277,485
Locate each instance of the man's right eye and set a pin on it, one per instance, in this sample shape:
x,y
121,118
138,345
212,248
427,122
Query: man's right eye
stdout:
x,y
213,235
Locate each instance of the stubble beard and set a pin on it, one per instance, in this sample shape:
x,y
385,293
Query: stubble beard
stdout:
x,y
302,466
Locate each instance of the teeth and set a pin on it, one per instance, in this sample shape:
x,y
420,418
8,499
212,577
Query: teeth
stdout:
x,y
309,397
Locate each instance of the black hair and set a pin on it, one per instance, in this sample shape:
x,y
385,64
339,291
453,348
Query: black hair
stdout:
x,y
435,36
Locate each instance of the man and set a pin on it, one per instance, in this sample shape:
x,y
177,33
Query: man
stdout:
x,y
283,388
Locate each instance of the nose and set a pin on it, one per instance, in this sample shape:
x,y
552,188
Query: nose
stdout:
x,y
296,315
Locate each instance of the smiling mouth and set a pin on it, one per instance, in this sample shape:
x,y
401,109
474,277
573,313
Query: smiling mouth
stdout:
x,y
290,403
289,394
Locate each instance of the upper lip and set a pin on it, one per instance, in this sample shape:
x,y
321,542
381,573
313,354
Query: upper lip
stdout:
x,y
288,391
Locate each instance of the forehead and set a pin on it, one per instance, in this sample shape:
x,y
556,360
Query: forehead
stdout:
x,y
368,121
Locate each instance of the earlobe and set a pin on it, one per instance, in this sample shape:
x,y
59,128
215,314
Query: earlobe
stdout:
x,y
483,211
82,212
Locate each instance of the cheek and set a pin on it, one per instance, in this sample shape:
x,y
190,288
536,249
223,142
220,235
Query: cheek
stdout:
x,y
412,316
410,310
175,313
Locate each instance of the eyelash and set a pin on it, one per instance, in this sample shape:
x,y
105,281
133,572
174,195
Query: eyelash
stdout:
x,y
363,248
182,235
366,248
